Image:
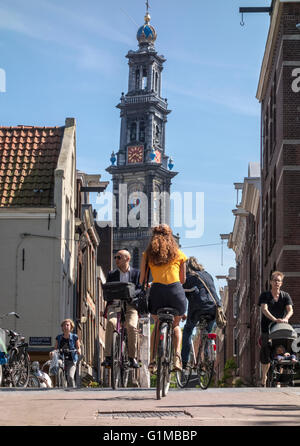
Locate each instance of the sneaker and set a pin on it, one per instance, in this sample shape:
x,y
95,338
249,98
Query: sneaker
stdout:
x,y
133,363
106,362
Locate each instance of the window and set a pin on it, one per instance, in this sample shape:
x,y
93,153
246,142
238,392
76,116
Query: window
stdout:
x,y
144,79
157,134
273,221
273,116
235,342
137,79
156,82
142,131
133,132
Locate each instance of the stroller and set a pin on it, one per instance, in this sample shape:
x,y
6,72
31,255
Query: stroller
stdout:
x,y
282,368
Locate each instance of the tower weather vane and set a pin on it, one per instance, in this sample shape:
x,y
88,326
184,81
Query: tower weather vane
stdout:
x,y
147,5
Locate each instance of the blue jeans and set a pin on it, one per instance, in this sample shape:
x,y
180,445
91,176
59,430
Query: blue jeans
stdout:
x,y
187,338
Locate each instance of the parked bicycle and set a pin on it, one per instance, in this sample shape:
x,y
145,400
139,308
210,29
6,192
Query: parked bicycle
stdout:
x,y
202,362
39,378
14,360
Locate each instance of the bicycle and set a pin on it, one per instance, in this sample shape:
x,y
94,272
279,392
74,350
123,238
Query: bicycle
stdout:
x,y
203,362
118,295
165,349
59,370
119,348
15,361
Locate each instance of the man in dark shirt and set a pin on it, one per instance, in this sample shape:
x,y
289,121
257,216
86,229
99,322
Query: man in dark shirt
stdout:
x,y
276,306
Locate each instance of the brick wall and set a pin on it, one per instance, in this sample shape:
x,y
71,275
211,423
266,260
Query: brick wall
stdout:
x,y
283,158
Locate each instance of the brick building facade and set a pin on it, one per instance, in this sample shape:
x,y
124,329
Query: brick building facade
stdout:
x,y
243,329
279,95
266,232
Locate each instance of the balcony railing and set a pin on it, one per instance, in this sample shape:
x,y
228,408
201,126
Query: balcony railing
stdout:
x,y
144,99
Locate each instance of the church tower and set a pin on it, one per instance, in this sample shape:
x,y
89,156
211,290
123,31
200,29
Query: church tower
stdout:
x,y
141,171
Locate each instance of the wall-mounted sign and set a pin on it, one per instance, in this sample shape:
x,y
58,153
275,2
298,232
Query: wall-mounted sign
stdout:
x,y
40,340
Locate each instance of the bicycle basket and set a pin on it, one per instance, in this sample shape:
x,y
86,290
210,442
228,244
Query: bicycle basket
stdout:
x,y
118,290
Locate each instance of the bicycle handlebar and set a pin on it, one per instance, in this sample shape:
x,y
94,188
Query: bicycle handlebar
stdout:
x,y
66,350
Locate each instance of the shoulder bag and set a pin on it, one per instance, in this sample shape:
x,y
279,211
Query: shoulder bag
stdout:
x,y
221,320
143,298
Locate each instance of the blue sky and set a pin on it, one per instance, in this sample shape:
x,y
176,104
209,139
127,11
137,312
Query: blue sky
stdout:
x,y
66,58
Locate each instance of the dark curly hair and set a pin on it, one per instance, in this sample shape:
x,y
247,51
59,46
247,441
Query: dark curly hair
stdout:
x,y
162,248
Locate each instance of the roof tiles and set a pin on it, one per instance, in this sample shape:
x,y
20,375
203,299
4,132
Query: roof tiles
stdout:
x,y
28,158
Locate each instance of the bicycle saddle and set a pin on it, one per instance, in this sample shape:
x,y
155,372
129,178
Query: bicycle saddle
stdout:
x,y
167,313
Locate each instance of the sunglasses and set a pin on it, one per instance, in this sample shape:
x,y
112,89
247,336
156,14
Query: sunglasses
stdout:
x,y
118,257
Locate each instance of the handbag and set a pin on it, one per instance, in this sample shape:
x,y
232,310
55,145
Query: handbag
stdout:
x,y
221,319
143,298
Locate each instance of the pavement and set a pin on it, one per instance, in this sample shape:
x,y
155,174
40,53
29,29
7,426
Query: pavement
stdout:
x,y
139,407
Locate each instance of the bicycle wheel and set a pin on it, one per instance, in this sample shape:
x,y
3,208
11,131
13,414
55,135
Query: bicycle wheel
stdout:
x,y
205,369
33,381
115,361
183,377
167,365
271,377
61,379
19,368
124,361
161,360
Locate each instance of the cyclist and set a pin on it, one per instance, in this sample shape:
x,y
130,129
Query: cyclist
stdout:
x,y
68,341
167,266
200,303
123,273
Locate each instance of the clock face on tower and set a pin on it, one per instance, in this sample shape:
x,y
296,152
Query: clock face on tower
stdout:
x,y
157,158
135,154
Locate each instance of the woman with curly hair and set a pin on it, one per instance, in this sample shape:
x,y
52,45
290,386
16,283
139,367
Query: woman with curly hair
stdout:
x,y
167,265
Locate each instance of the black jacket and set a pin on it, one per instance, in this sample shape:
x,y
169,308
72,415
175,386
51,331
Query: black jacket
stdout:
x,y
201,301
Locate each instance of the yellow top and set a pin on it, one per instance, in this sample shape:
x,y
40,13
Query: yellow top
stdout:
x,y
168,273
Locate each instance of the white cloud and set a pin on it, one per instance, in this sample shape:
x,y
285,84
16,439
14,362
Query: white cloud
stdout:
x,y
45,21
232,100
